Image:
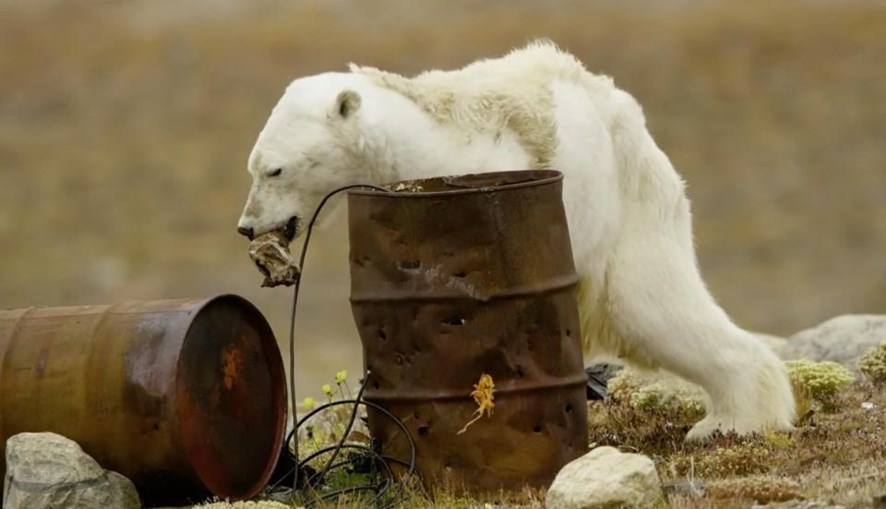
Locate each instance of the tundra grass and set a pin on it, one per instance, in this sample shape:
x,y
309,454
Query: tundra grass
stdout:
x,y
837,458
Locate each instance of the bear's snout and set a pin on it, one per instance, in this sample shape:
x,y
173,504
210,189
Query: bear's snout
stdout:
x,y
246,232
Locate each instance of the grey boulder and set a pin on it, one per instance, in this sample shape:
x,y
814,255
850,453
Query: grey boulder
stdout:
x,y
49,471
842,339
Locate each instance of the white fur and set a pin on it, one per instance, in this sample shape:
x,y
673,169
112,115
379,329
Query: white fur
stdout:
x,y
641,296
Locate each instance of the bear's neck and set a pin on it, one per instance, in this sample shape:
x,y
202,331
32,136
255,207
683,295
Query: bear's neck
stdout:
x,y
414,146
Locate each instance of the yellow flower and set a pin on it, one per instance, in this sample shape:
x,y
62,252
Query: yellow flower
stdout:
x,y
341,376
309,403
484,396
327,389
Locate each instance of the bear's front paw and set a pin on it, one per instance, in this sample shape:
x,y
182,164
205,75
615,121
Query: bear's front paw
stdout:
x,y
704,429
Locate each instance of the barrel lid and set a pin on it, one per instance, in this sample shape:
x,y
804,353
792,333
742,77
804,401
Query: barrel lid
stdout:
x,y
231,397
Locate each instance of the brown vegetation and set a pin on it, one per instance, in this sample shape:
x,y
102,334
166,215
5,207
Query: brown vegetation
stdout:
x,y
834,456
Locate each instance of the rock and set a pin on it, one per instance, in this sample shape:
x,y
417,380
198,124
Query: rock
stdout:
x,y
842,339
45,470
774,342
605,477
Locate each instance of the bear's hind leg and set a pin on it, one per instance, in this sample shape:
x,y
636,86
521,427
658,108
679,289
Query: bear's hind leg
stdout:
x,y
664,316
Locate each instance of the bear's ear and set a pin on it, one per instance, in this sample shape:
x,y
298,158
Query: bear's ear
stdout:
x,y
347,103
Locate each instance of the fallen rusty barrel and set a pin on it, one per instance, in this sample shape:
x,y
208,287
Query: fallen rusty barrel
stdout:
x,y
185,397
455,277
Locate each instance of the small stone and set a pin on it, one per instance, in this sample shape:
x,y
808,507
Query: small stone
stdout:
x,y
603,478
46,470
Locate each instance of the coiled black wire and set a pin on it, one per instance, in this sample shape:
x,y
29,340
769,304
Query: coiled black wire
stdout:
x,y
380,488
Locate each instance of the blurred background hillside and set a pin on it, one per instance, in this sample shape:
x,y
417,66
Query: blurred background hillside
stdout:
x,y
125,127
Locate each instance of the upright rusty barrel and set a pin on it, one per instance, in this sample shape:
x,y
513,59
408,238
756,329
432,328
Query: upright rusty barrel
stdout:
x,y
184,397
455,277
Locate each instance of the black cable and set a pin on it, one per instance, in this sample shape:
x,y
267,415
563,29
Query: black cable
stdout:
x,y
301,265
350,425
385,461
380,488
411,464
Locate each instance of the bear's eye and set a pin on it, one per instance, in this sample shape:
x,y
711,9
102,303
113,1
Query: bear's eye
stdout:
x,y
276,173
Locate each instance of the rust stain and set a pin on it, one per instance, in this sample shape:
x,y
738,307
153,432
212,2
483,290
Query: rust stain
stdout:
x,y
232,365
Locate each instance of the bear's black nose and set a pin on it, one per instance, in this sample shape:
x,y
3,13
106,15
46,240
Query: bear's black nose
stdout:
x,y
246,232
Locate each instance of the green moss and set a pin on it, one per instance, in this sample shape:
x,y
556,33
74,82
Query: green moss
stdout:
x,y
873,364
656,392
822,380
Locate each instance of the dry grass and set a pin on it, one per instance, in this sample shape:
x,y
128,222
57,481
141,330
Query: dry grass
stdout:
x,y
124,130
839,458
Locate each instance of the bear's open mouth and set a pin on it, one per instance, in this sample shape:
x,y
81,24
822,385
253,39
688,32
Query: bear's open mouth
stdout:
x,y
291,228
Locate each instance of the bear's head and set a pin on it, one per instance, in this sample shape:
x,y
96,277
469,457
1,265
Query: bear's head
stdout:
x,y
311,144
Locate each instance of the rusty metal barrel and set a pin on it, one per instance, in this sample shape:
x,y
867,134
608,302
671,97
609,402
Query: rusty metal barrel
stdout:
x,y
455,277
185,397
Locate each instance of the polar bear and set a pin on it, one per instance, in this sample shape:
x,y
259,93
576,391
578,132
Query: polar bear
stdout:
x,y
641,296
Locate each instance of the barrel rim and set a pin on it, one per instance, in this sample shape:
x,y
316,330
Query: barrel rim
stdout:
x,y
282,406
543,177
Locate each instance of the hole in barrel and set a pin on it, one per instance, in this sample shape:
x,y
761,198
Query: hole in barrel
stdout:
x,y
520,372
381,335
423,429
410,264
460,274
456,321
569,408
537,428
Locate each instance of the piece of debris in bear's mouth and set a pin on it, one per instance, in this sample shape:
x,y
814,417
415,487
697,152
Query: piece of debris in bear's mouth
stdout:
x,y
270,253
